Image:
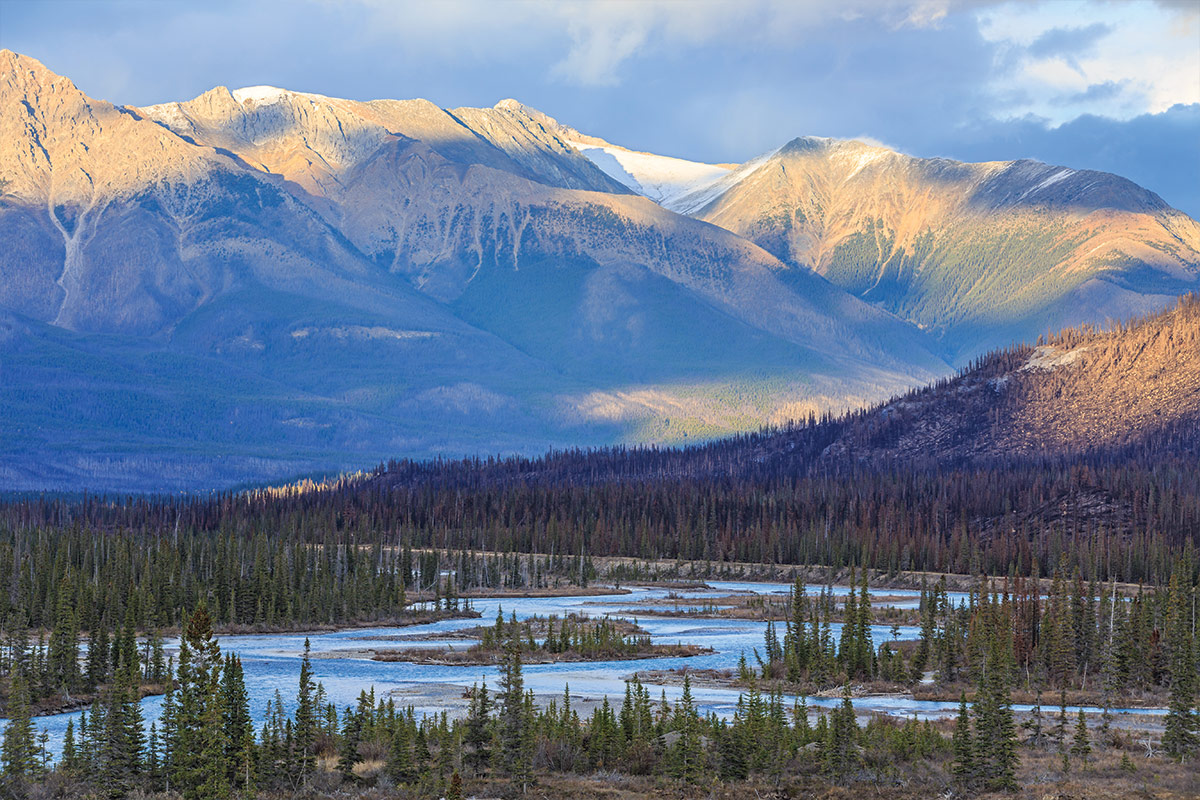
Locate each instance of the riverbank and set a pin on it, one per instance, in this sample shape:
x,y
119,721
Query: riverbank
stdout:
x,y
417,616
49,706
761,608
487,658
1128,718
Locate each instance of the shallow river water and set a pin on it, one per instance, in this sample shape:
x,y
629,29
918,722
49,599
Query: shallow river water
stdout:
x,y
272,662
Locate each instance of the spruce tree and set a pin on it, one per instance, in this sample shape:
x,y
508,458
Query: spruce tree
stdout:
x,y
69,761
306,719
864,645
351,739
455,791
236,725
19,751
1035,722
1179,735
995,734
963,767
400,766
733,753
124,737
1060,726
686,756
168,737
97,657
197,746
513,747
841,747
478,734
1081,746
63,655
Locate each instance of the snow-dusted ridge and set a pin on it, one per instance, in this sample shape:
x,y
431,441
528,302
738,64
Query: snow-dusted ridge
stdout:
x,y
695,198
660,178
260,94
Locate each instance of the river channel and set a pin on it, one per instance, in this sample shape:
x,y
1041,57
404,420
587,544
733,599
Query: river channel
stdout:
x,y
272,661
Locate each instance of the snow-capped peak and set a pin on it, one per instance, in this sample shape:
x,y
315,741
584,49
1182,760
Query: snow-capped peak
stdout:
x,y
509,104
260,95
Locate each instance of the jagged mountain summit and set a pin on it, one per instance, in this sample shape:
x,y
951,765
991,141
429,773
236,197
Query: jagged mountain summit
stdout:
x,y
260,282
979,255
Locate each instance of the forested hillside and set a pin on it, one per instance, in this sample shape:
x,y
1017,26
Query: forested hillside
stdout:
x,y
1086,446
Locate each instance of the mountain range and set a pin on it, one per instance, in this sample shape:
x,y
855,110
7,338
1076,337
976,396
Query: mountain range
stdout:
x,y
259,283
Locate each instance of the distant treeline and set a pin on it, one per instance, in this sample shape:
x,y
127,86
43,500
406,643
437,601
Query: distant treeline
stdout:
x,y
1126,518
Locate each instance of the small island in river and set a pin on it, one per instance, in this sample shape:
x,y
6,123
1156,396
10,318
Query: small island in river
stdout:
x,y
545,640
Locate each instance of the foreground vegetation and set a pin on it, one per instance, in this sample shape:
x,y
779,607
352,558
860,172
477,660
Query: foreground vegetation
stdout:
x,y
206,745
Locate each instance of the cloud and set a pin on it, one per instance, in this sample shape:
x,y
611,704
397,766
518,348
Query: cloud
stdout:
x,y
1049,52
1068,41
602,40
1097,92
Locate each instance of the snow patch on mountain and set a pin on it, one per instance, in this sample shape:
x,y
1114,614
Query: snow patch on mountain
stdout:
x,y
1065,172
261,95
860,158
691,200
661,178
1049,357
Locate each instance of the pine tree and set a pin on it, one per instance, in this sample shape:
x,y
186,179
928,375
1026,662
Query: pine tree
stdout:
x,y
400,756
1179,736
685,756
513,753
306,719
455,791
236,725
19,751
1080,745
478,735
351,739
197,747
841,748
963,767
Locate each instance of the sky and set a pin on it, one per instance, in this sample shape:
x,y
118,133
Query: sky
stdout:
x,y
1094,84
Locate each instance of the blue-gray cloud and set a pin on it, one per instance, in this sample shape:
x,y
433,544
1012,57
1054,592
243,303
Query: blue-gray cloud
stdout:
x,y
1068,41
1097,92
